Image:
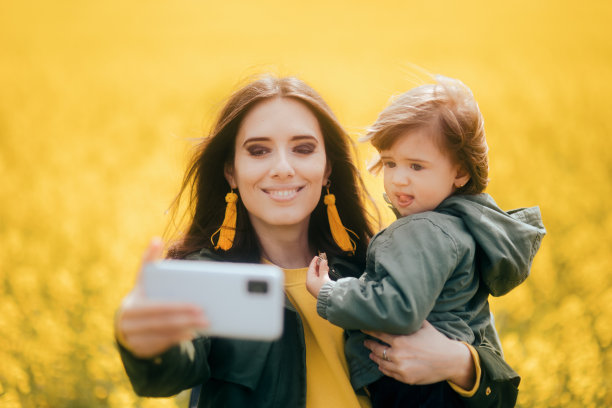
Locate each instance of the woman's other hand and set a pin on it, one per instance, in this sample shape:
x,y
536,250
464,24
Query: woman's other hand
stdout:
x,y
148,328
317,276
423,357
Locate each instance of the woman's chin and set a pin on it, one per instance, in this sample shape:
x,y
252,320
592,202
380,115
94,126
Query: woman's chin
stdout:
x,y
282,219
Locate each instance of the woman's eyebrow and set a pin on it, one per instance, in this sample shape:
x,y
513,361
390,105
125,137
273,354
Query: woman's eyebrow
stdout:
x,y
305,137
255,139
267,139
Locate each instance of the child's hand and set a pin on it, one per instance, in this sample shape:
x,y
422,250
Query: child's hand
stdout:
x,y
318,275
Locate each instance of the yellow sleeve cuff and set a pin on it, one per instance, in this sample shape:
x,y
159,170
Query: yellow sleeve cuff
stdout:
x,y
469,393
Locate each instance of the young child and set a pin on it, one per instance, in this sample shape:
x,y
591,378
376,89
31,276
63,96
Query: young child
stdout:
x,y
450,248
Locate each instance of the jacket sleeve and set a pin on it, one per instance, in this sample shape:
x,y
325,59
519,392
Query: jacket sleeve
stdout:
x,y
411,265
181,367
498,382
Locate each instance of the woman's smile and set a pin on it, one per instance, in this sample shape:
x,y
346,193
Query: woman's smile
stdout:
x,y
282,194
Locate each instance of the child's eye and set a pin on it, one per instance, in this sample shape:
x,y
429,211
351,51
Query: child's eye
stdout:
x,y
415,166
256,150
305,148
389,164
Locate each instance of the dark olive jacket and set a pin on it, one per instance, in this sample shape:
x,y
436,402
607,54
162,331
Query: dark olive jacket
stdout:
x,y
438,266
240,373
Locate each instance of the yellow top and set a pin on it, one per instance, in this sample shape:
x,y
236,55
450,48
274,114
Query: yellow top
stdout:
x,y
327,375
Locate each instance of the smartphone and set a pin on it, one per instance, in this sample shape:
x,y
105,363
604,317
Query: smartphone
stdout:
x,y
240,300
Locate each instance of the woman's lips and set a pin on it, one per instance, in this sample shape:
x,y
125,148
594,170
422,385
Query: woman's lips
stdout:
x,y
282,194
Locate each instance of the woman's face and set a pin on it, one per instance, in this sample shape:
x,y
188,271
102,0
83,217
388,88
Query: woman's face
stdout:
x,y
280,164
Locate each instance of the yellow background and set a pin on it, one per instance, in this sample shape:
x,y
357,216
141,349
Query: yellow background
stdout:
x,y
100,101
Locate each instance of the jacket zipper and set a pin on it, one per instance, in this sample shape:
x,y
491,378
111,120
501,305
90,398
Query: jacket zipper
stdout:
x,y
333,274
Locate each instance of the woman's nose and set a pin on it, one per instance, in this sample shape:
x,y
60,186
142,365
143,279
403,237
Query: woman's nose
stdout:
x,y
282,167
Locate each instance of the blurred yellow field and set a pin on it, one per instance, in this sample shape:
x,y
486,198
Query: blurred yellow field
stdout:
x,y
100,103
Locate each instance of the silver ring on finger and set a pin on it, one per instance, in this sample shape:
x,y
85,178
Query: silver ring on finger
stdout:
x,y
384,356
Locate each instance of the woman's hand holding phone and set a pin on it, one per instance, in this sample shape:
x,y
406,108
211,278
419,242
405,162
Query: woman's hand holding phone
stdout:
x,y
148,328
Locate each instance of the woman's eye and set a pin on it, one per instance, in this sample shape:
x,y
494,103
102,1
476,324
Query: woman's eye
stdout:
x,y
257,150
305,148
415,166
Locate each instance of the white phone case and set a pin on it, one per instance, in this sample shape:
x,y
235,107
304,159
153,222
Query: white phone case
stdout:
x,y
239,300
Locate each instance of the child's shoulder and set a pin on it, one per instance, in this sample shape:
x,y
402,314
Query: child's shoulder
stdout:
x,y
428,222
425,230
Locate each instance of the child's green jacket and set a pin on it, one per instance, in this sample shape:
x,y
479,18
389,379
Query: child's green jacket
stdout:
x,y
438,266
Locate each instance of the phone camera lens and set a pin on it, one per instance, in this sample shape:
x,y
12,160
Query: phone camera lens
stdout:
x,y
257,286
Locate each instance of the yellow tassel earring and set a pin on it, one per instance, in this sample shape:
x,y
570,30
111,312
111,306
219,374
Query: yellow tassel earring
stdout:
x,y
227,231
339,232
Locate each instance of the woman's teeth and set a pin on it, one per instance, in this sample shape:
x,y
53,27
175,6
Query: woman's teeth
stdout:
x,y
282,193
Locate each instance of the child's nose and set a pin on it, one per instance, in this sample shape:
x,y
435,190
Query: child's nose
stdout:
x,y
400,178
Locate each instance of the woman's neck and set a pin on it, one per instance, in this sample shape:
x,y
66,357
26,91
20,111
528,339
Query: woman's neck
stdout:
x,y
286,247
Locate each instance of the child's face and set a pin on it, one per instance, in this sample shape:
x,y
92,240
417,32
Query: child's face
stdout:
x,y
418,175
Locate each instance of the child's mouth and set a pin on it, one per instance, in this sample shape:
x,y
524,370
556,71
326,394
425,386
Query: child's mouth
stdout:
x,y
404,200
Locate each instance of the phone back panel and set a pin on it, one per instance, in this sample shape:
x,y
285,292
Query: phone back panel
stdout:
x,y
239,300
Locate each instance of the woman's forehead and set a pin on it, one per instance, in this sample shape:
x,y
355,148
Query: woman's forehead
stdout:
x,y
278,118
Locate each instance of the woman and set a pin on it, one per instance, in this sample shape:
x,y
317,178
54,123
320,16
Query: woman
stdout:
x,y
279,147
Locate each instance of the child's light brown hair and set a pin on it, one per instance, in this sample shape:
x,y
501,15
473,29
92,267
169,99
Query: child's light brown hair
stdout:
x,y
448,109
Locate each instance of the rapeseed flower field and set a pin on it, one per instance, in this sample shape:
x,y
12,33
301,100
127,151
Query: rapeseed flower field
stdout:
x,y
100,103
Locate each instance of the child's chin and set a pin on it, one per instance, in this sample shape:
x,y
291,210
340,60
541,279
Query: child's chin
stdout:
x,y
404,212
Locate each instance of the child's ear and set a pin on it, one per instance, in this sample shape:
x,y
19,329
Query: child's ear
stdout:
x,y
228,172
462,177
